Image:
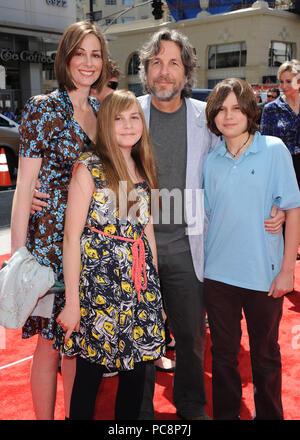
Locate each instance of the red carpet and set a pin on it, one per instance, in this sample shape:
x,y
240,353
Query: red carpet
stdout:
x,y
15,397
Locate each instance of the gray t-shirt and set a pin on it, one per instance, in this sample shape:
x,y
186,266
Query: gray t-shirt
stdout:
x,y
168,133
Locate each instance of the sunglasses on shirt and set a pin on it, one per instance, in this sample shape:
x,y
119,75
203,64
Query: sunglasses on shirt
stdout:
x,y
112,85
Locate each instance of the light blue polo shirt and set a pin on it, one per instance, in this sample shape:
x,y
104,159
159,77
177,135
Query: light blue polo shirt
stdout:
x,y
238,197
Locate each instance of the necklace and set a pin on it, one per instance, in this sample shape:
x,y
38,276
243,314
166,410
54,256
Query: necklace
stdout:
x,y
235,154
133,174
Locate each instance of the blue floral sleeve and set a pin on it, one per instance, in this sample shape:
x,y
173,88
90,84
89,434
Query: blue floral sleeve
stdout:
x,y
268,122
36,127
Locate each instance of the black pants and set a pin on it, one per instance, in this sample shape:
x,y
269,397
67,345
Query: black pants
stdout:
x,y
87,380
184,305
224,305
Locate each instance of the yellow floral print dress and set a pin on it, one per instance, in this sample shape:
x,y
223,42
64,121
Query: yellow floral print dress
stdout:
x,y
121,318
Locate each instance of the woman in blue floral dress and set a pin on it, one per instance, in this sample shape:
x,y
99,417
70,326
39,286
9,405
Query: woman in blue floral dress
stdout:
x,y
281,118
55,129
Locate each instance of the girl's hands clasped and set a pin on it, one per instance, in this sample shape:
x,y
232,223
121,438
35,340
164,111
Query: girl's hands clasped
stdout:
x,y
69,319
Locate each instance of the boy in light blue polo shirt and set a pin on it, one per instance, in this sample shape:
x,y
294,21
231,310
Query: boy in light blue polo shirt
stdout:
x,y
246,268
246,189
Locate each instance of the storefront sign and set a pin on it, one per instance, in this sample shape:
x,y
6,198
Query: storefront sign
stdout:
x,y
26,56
2,80
62,3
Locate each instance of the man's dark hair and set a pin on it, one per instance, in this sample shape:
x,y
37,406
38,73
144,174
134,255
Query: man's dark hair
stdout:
x,y
188,57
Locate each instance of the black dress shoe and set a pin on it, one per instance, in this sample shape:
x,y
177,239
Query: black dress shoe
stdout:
x,y
202,416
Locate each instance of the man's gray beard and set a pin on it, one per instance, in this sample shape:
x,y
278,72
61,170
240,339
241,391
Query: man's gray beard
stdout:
x,y
166,95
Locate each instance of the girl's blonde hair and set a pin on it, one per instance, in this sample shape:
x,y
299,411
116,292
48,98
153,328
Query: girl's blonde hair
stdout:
x,y
109,152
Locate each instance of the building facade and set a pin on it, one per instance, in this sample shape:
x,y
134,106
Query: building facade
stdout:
x,y
29,34
107,12
247,43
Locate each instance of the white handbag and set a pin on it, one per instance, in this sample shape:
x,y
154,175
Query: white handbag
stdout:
x,y
24,290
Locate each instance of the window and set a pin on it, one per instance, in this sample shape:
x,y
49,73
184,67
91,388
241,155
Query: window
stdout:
x,y
110,2
280,52
211,83
269,79
137,89
6,41
127,19
128,2
227,55
133,65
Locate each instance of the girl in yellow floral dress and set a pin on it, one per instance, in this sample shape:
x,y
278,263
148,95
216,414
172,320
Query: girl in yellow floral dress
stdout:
x,y
112,318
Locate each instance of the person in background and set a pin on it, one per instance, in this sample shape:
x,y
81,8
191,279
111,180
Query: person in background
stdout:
x,y
114,73
246,268
55,129
272,94
281,118
257,96
9,113
113,297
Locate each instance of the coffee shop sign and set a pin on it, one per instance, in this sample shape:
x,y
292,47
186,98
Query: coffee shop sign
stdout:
x,y
26,56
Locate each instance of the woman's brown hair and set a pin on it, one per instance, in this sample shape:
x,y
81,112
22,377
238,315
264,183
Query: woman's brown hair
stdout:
x,y
109,152
245,97
70,40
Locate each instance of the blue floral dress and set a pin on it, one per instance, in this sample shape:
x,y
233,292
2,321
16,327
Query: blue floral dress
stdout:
x,y
49,132
121,318
279,120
